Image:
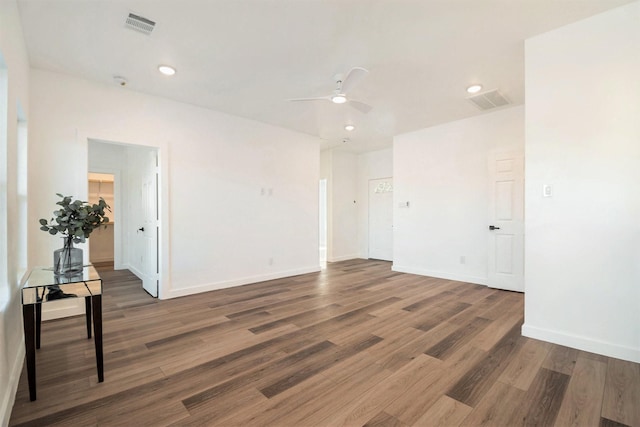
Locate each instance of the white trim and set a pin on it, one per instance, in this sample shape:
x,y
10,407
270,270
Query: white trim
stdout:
x,y
11,389
105,259
174,293
583,343
135,271
440,274
343,258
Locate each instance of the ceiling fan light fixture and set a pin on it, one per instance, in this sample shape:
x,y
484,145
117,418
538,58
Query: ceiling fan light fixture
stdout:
x,y
349,127
474,88
339,99
167,70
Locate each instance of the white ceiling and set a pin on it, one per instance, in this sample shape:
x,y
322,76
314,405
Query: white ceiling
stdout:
x,y
247,57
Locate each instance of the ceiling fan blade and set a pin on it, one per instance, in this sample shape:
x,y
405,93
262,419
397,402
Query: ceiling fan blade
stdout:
x,y
353,78
360,106
321,98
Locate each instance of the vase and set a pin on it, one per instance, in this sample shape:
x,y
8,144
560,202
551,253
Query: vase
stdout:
x,y
67,260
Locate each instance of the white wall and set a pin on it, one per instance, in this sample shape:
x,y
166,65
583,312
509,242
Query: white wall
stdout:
x,y
442,172
12,249
219,229
582,267
372,165
340,170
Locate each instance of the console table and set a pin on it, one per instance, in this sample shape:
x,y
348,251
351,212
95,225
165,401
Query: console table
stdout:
x,y
41,286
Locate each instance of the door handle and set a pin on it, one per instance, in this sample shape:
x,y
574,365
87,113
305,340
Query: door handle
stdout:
x,y
141,229
493,227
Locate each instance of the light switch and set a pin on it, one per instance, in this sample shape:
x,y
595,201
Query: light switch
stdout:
x,y
547,191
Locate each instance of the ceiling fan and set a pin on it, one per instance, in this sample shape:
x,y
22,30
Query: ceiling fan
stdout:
x,y
339,95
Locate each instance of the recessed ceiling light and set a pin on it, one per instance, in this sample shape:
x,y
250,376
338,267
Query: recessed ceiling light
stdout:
x,y
166,70
474,88
339,99
349,127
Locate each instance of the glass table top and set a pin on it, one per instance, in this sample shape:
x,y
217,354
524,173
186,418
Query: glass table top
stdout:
x,y
42,285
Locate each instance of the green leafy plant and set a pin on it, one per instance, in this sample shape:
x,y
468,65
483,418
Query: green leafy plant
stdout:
x,y
75,220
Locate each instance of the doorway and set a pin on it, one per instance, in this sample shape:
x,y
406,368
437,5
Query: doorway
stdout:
x,y
101,242
322,237
135,208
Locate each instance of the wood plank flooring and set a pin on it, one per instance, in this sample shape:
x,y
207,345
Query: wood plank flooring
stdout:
x,y
355,344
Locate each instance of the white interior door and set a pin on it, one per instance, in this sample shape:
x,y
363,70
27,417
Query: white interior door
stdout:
x,y
143,220
381,219
506,226
150,225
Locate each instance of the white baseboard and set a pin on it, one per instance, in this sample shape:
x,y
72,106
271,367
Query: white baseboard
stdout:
x,y
582,343
174,293
343,258
135,271
106,259
440,274
9,398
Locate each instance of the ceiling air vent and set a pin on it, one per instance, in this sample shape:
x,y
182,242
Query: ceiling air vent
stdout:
x,y
489,100
140,24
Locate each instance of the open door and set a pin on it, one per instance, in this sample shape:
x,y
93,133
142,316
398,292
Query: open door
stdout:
x,y
144,261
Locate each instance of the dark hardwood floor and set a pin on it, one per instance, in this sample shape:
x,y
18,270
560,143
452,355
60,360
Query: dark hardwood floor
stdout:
x,y
356,344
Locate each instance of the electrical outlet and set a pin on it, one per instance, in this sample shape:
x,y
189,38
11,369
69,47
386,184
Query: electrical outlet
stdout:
x,y
270,261
463,259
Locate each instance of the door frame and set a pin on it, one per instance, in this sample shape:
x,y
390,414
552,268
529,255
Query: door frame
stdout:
x,y
162,148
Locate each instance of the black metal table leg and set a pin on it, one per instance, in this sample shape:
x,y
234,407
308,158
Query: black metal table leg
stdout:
x,y
97,329
87,310
29,314
38,323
